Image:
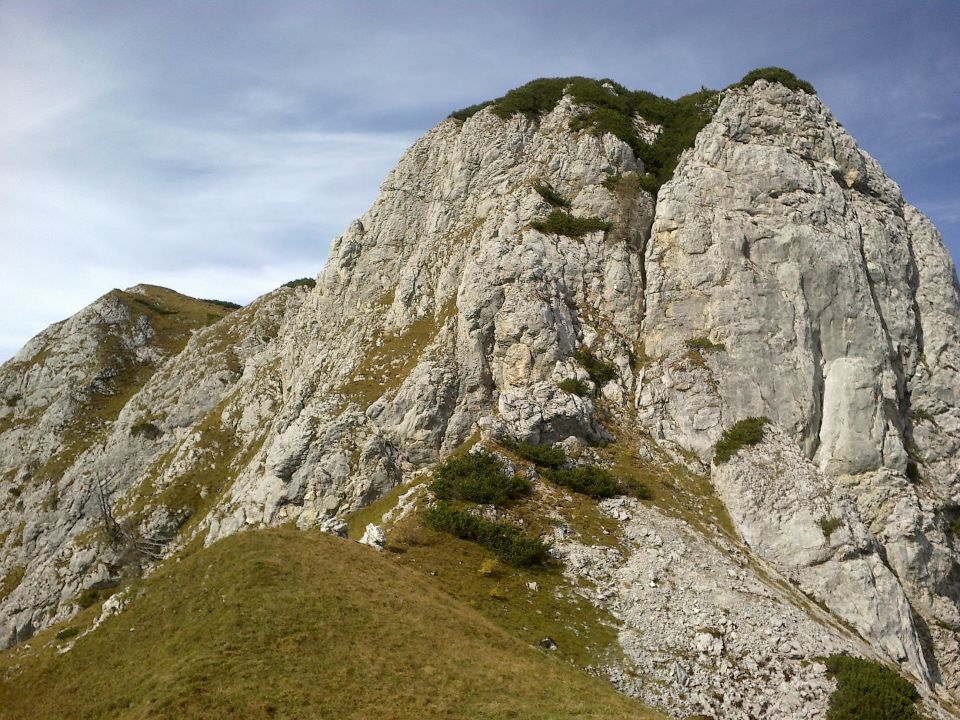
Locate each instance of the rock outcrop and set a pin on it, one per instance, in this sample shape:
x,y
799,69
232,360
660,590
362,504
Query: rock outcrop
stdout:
x,y
515,280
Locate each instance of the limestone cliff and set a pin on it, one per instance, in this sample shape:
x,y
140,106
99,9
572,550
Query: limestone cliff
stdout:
x,y
779,273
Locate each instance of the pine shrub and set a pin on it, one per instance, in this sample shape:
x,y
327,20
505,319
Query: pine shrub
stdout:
x,y
867,690
477,477
740,434
508,544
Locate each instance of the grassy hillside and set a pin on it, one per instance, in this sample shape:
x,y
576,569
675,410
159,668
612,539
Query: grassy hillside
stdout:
x,y
289,624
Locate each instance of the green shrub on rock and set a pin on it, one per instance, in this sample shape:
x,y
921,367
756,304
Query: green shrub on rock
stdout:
x,y
573,386
587,480
559,222
867,690
549,456
776,74
600,372
740,434
477,477
509,544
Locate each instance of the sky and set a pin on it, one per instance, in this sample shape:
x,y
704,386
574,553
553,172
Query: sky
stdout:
x,y
218,148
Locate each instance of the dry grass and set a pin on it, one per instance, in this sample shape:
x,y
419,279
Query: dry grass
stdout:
x,y
289,624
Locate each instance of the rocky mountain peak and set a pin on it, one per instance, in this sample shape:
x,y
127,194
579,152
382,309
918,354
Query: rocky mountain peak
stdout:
x,y
573,263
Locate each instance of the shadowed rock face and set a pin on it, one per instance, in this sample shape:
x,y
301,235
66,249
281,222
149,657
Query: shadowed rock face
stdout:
x,y
781,274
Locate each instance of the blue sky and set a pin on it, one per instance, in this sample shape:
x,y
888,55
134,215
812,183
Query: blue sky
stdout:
x,y
218,147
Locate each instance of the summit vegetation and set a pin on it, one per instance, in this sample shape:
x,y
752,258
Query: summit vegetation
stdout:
x,y
608,107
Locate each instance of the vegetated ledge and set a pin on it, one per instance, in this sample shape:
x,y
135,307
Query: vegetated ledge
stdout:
x,y
609,107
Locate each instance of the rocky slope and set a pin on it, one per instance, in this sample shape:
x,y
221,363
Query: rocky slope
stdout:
x,y
778,274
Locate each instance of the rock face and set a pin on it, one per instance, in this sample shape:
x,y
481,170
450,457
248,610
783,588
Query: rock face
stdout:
x,y
831,307
780,275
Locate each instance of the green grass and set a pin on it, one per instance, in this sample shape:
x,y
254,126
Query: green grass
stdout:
x,y
509,544
477,477
10,581
775,74
867,690
559,222
297,625
301,282
740,434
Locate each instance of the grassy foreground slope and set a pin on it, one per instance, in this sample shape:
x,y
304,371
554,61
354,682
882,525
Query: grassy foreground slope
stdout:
x,y
288,624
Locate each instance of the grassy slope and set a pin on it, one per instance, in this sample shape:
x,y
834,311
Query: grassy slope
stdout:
x,y
289,624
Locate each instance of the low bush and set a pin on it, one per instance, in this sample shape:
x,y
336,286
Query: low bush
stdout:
x,y
611,108
828,525
301,282
703,343
635,488
470,111
477,477
573,386
550,195
776,74
587,480
559,222
742,433
600,372
223,303
867,690
510,545
549,456
68,633
147,430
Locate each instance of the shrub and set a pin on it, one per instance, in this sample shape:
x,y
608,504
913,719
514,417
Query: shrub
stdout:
x,y
550,195
470,111
744,432
549,456
68,633
611,108
867,690
559,222
477,477
147,430
586,479
573,386
600,372
828,525
955,527
913,470
531,100
89,597
776,74
13,400
635,488
703,343
223,303
509,544
301,282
